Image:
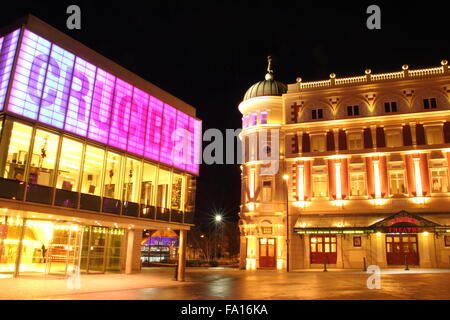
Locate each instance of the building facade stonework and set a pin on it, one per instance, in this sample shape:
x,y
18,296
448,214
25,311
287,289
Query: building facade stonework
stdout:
x,y
362,171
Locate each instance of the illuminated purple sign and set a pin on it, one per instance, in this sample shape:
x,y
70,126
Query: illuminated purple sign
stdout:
x,y
58,88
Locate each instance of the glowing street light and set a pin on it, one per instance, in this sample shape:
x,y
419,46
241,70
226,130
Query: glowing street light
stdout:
x,y
218,218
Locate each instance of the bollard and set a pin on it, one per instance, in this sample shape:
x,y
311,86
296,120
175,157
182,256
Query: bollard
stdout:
x,y
406,263
364,264
325,264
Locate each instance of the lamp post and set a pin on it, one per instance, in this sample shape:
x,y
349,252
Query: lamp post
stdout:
x,y
286,179
218,222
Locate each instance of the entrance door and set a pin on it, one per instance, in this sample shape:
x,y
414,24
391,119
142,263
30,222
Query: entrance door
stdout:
x,y
401,247
323,249
267,251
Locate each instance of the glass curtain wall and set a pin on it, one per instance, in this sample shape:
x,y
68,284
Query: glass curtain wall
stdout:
x,y
111,191
42,167
148,191
162,195
13,169
91,180
131,188
69,173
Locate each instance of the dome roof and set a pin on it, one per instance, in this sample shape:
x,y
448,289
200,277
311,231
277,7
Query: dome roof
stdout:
x,y
268,87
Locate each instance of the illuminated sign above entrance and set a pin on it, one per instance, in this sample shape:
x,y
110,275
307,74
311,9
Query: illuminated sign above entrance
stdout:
x,y
55,87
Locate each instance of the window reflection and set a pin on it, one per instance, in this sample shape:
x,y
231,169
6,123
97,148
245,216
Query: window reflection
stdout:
x,y
148,184
43,158
92,170
17,152
163,189
69,165
113,166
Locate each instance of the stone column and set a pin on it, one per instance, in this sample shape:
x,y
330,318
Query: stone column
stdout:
x,y
129,254
182,255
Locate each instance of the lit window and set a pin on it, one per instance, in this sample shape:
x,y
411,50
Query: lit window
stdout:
x,y
355,141
253,119
394,138
44,158
131,180
92,171
263,118
148,184
439,179
317,114
320,185
163,189
429,103
69,165
267,191
245,122
267,230
318,143
357,184
390,107
177,198
397,183
17,151
434,135
113,169
353,110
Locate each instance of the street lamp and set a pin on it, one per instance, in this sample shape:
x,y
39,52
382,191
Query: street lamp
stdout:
x,y
286,179
218,219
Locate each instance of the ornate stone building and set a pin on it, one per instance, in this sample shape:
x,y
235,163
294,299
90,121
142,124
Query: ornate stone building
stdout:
x,y
362,171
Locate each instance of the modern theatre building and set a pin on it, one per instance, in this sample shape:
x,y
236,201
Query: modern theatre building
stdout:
x,y
363,171
90,155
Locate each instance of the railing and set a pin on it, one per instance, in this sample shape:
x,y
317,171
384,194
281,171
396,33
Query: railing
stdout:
x,y
372,77
15,190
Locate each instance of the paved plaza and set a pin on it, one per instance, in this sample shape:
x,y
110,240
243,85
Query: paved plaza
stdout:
x,y
217,284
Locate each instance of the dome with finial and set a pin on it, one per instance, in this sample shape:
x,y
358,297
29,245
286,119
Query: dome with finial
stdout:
x,y
267,87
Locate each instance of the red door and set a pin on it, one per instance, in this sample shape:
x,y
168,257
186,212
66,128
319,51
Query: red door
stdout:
x,y
323,248
401,247
267,258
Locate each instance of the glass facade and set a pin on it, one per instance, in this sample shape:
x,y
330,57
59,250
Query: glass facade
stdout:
x,y
46,167
31,246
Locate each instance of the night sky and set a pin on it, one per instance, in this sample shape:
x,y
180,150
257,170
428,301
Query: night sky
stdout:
x,y
209,53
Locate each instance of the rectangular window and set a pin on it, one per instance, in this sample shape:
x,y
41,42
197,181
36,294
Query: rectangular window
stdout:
x,y
131,180
245,122
447,241
113,169
397,183
19,144
267,191
317,114
43,159
394,138
357,242
357,184
434,135
92,171
353,110
429,103
318,143
177,198
439,180
320,185
253,119
267,230
162,196
390,107
355,141
69,165
148,184
263,117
